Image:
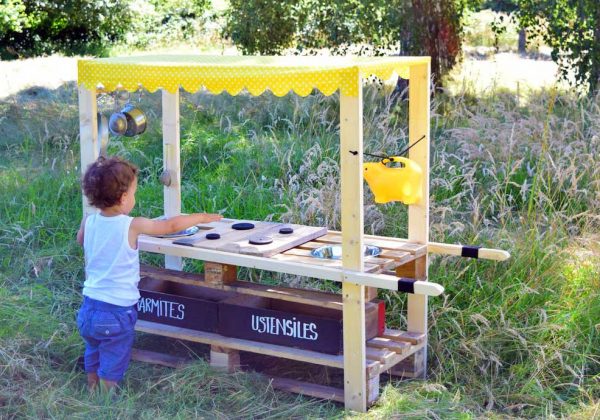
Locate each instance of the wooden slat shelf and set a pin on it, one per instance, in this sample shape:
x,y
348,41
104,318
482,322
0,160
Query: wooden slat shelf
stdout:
x,y
395,253
382,354
309,389
241,344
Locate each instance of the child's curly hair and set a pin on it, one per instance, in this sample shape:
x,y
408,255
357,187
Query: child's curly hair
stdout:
x,y
106,180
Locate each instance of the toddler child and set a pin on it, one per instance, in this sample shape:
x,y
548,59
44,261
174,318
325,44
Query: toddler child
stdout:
x,y
107,315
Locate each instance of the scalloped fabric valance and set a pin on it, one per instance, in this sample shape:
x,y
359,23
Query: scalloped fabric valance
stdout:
x,y
233,74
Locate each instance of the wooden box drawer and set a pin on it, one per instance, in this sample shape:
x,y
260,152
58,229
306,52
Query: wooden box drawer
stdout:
x,y
180,305
288,324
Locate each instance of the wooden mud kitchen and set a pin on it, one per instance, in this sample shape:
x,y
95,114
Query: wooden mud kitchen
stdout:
x,y
346,330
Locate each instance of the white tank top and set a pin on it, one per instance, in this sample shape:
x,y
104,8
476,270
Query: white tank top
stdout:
x,y
112,267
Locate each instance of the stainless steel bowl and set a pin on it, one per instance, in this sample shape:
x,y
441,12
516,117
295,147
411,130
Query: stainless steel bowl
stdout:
x,y
186,232
334,252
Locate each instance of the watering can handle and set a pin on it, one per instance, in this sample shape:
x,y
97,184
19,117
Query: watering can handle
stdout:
x,y
400,159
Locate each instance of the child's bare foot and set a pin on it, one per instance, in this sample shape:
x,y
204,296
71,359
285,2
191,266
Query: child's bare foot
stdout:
x,y
92,381
107,386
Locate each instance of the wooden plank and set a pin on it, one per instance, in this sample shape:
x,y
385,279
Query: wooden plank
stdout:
x,y
281,242
219,274
386,281
223,358
237,241
418,214
397,358
414,248
171,164
382,355
370,293
156,358
415,269
88,136
385,343
305,388
404,336
368,268
227,233
240,344
313,297
353,295
456,250
381,263
301,268
372,389
412,366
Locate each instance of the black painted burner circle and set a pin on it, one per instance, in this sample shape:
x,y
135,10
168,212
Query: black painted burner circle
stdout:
x,y
213,236
242,226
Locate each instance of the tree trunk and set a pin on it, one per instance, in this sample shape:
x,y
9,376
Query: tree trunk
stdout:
x,y
595,56
522,41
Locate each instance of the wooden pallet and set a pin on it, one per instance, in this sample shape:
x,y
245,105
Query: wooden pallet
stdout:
x,y
384,353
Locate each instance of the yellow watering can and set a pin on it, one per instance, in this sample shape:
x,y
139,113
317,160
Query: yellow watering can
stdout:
x,y
394,184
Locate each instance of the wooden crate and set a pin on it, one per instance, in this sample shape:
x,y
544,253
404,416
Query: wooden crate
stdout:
x,y
180,305
290,324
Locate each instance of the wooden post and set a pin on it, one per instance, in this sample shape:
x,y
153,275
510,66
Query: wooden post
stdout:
x,y
88,135
219,274
353,295
171,150
418,214
415,269
224,358
370,293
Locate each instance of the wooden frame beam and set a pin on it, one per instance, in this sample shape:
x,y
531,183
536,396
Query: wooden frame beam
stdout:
x,y
171,164
88,135
418,214
353,295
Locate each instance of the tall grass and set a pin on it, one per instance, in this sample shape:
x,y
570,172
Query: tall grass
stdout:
x,y
518,338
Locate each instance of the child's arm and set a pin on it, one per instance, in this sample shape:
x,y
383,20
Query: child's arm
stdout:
x,y
142,225
81,231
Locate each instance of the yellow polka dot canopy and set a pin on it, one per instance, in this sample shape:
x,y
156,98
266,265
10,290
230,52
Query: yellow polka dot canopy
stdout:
x,y
233,74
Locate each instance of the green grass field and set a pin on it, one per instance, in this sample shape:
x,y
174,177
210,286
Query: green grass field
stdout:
x,y
519,338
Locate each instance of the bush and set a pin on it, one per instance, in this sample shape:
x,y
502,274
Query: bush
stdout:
x,y
160,22
38,27
262,26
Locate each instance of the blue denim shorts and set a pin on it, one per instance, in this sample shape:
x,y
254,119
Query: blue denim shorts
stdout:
x,y
108,332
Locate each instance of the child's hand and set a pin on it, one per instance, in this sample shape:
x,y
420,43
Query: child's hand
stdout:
x,y
211,217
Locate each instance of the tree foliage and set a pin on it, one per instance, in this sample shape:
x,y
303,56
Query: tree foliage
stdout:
x,y
70,26
365,27
572,29
36,27
161,22
262,26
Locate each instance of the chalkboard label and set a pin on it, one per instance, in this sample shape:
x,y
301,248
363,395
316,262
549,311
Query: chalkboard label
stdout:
x,y
281,327
180,311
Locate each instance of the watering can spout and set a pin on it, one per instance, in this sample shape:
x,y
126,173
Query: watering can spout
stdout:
x,y
394,184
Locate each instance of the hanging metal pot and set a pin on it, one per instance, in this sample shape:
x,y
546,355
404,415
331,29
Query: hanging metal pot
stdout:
x,y
130,122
